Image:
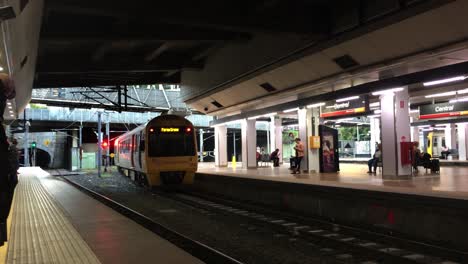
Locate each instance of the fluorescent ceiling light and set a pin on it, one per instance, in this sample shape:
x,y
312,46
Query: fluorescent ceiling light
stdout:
x,y
254,117
266,115
440,125
347,99
459,100
374,104
373,116
394,90
8,103
424,126
464,91
315,105
10,107
414,111
453,79
426,129
378,111
11,112
441,94
291,110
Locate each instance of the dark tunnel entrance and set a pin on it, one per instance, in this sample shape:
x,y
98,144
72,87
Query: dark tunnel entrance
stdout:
x,y
42,158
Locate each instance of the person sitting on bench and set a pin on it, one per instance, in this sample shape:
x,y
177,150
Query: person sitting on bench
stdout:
x,y
375,159
445,152
274,156
416,156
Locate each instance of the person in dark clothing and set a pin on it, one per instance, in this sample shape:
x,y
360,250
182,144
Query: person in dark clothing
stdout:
x,y
8,180
417,156
274,156
372,163
5,188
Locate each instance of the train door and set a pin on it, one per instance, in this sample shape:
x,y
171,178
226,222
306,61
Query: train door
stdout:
x,y
132,151
141,148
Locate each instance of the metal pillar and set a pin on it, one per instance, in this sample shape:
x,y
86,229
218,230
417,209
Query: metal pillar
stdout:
x,y
26,141
108,145
234,143
201,145
99,160
80,149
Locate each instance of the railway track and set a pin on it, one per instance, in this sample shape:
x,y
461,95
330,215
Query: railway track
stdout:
x,y
324,240
336,243
195,248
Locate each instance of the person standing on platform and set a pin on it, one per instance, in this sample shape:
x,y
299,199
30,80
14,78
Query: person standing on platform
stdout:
x,y
299,148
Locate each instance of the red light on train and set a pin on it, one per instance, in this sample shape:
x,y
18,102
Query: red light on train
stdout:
x,y
188,129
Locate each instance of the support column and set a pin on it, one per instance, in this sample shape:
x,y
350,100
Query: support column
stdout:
x,y
313,122
375,133
220,146
450,137
462,142
249,144
395,129
414,131
276,136
302,120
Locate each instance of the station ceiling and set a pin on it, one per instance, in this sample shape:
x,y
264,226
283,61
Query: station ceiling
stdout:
x,y
110,42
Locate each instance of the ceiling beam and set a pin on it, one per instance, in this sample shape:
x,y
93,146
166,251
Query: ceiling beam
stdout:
x,y
64,65
238,16
44,80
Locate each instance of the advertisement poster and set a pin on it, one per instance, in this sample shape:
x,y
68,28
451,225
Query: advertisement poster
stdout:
x,y
329,160
288,143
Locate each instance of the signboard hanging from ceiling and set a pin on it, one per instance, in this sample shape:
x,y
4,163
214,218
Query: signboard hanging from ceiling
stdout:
x,y
443,110
356,106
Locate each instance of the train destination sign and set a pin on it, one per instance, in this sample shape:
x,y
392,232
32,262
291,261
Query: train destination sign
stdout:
x,y
170,129
356,106
443,110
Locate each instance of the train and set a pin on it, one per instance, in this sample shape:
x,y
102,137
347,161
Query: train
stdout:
x,y
160,152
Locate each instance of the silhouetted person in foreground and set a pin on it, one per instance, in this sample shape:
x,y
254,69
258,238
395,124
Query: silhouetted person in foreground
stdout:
x,y
8,160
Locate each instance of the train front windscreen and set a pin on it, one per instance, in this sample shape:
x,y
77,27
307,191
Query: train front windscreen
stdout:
x,y
171,141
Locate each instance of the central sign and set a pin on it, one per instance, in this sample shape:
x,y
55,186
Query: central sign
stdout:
x,y
351,107
443,110
170,129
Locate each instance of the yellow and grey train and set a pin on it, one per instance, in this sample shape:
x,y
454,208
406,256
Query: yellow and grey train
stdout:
x,y
163,151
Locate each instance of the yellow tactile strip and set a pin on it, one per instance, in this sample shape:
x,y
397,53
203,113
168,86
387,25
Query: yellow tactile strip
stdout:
x,y
40,231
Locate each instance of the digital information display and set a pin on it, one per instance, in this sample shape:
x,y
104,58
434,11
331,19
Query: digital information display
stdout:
x,y
170,129
351,107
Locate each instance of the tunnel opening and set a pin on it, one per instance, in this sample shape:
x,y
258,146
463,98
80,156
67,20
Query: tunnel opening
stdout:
x,y
42,158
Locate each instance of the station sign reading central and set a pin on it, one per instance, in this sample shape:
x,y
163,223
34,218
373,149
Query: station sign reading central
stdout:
x,y
443,110
352,107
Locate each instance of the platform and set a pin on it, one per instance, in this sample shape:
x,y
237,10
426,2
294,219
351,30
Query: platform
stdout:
x,y
52,222
452,182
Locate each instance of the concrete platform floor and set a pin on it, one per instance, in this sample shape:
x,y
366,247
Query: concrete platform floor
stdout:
x,y
53,222
452,182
